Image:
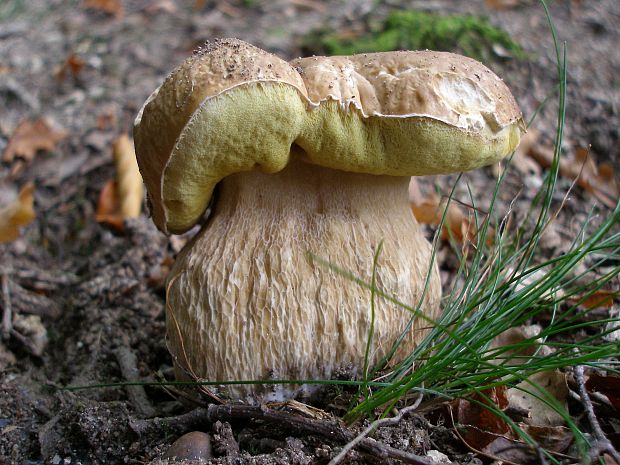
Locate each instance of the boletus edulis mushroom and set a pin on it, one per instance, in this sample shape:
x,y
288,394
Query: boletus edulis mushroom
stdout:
x,y
315,156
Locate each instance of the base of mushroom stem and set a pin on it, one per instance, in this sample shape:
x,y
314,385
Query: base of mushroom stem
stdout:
x,y
273,392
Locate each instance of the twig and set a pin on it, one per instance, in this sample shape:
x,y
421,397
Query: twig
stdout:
x,y
375,424
329,429
176,425
128,364
332,430
7,315
602,444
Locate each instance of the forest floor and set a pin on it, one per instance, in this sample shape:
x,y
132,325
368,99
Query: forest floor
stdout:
x,y
85,302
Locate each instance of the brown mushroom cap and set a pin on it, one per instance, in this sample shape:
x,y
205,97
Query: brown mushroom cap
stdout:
x,y
233,107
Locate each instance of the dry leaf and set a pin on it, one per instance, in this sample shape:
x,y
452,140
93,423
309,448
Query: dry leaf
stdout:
x,y
603,185
511,451
108,207
552,438
29,138
502,4
121,199
112,7
129,181
599,181
199,5
599,299
429,209
480,425
18,213
546,383
73,65
608,385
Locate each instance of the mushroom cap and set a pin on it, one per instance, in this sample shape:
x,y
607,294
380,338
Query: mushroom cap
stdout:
x,y
233,107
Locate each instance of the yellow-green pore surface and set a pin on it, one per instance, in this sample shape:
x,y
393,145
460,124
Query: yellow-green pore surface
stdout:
x,y
400,113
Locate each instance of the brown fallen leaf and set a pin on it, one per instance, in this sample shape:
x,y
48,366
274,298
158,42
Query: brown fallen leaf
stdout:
x,y
30,137
502,4
429,209
601,182
18,213
199,5
599,299
122,198
108,207
551,438
521,160
111,7
544,384
479,426
608,385
73,66
509,450
129,181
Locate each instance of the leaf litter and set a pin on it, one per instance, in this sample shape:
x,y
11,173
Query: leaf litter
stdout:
x,y
117,298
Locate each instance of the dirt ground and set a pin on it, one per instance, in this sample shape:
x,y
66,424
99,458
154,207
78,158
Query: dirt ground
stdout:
x,y
88,299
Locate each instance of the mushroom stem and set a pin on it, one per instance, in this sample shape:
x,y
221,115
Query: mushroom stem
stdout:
x,y
247,300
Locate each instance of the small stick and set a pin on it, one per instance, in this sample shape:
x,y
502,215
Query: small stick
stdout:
x,y
7,315
177,425
129,369
602,444
329,429
332,430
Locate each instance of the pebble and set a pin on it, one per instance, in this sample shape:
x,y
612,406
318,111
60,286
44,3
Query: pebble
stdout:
x,y
438,457
191,446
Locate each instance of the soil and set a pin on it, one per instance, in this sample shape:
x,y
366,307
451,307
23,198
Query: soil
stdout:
x,y
91,298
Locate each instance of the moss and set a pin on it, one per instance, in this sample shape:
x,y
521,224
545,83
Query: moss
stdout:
x,y
416,30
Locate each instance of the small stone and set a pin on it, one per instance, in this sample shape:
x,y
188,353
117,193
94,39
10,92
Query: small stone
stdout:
x,y
191,446
438,457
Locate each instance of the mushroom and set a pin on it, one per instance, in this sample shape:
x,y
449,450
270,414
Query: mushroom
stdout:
x,y
309,156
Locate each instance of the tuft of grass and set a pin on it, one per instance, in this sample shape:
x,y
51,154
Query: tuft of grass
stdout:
x,y
473,36
505,285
